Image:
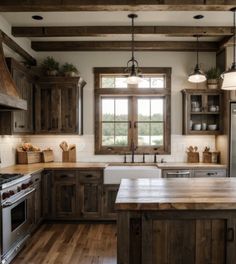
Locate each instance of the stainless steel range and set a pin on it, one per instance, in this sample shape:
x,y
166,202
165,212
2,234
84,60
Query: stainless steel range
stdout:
x,y
16,213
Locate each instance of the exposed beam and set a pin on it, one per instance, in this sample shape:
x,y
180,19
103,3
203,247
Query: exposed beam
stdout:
x,y
122,46
17,48
114,30
114,5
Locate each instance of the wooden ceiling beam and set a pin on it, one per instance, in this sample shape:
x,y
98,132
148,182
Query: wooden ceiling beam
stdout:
x,y
114,5
87,31
17,48
122,46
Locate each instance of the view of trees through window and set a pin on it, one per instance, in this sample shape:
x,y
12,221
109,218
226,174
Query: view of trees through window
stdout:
x,y
115,121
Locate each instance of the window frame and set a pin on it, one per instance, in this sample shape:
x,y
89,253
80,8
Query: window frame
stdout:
x,y
132,94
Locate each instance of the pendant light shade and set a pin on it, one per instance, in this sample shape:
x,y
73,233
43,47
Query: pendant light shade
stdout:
x,y
229,76
132,65
197,76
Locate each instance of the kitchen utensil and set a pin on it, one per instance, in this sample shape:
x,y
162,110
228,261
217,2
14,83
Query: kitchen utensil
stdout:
x,y
212,127
64,146
204,126
197,126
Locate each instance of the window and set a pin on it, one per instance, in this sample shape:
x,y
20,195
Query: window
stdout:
x,y
132,114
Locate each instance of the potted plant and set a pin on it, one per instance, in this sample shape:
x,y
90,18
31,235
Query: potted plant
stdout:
x,y
69,70
50,66
213,75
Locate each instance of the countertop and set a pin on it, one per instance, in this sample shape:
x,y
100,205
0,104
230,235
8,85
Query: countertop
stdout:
x,y
33,168
177,194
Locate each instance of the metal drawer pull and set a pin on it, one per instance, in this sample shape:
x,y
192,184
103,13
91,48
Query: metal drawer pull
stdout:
x,y
230,234
89,176
179,173
212,173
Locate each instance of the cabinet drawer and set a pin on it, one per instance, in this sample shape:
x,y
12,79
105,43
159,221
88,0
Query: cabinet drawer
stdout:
x,y
210,173
90,176
176,173
64,175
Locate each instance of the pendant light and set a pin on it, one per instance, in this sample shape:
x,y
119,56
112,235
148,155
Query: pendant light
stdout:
x,y
132,65
197,76
229,76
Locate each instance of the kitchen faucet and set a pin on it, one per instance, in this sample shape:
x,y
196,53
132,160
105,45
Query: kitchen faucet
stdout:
x,y
133,148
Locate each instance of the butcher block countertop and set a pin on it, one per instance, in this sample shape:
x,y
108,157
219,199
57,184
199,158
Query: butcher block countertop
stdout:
x,y
37,167
185,165
177,194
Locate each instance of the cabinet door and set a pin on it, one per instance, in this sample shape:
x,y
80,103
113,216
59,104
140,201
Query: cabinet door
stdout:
x,y
48,108
109,198
47,193
69,109
64,202
185,237
22,121
38,203
90,199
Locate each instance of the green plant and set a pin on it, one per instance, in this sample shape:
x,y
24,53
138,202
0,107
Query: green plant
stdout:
x,y
68,67
49,64
213,73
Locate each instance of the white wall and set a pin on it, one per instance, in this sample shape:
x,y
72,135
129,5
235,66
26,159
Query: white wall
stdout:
x,y
8,144
181,63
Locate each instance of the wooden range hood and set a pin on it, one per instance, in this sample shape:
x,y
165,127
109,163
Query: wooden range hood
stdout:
x,y
9,96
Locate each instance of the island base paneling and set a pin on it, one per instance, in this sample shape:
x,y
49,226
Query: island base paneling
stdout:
x,y
174,237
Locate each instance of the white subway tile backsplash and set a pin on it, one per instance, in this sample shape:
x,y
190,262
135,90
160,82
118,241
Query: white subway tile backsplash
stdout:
x,y
85,147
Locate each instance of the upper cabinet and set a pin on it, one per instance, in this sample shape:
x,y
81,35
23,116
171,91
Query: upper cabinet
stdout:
x,y
20,121
202,112
58,105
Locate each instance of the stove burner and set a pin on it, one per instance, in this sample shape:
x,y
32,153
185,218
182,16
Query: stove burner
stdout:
x,y
8,177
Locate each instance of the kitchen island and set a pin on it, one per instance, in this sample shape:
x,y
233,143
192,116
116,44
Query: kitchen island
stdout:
x,y
177,221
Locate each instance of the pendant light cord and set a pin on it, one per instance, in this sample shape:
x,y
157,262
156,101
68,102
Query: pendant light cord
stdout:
x,y
197,50
234,39
132,45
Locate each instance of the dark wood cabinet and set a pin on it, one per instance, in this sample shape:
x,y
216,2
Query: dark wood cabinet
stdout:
x,y
64,200
176,236
109,197
37,212
91,198
58,105
202,112
19,122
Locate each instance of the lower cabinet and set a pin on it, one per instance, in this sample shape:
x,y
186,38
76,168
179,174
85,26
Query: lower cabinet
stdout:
x,y
177,236
77,195
64,199
37,200
90,198
109,197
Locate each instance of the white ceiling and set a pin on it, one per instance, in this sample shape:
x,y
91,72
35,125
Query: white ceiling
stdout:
x,y
161,18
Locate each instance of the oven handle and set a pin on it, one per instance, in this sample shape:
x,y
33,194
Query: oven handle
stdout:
x,y
8,204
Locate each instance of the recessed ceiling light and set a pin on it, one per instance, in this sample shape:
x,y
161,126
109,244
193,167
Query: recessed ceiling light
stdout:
x,y
198,17
37,17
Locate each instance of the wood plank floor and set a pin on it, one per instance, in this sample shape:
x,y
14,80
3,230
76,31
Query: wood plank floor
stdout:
x,y
71,244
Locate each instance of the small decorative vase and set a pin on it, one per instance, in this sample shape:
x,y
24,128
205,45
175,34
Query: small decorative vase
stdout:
x,y
70,74
52,72
212,84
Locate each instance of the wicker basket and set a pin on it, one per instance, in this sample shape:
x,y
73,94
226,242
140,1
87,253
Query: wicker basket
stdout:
x,y
28,157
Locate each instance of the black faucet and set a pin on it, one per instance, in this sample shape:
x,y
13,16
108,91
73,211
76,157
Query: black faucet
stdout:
x,y
133,148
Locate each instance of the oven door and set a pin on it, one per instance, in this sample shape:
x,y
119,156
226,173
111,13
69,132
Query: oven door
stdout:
x,y
16,219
